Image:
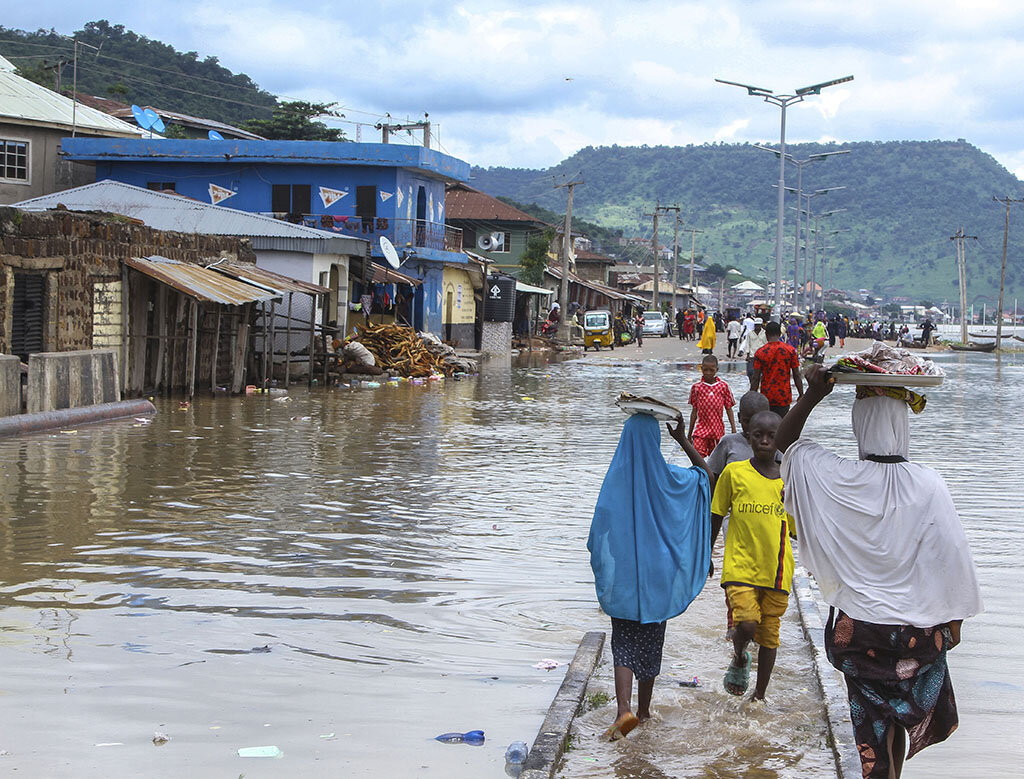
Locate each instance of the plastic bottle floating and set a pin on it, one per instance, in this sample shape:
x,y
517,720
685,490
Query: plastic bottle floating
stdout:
x,y
516,753
472,737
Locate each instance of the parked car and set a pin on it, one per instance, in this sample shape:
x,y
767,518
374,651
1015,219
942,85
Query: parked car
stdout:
x,y
655,323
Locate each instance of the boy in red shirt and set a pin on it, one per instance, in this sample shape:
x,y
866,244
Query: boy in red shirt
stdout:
x,y
774,363
709,397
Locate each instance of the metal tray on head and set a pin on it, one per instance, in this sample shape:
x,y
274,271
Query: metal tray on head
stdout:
x,y
867,379
660,411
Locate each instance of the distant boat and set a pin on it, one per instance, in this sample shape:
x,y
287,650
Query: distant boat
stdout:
x,y
1018,338
989,335
973,347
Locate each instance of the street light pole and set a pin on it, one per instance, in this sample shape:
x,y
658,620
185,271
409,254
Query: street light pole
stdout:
x,y
799,191
783,102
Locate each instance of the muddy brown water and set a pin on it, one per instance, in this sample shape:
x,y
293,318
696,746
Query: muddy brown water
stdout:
x,y
347,586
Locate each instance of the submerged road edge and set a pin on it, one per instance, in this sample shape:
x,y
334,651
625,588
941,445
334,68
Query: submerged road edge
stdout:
x,y
549,745
833,691
81,415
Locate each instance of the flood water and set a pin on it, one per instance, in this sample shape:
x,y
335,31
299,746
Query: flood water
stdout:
x,y
347,586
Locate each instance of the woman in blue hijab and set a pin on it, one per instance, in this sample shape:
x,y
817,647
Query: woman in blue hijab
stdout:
x,y
650,550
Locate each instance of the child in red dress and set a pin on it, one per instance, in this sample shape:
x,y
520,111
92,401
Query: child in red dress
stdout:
x,y
709,397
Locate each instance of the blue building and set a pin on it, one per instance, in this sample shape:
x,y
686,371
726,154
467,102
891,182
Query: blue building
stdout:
x,y
364,190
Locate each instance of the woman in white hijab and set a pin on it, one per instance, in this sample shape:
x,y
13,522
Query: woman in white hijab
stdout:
x,y
884,541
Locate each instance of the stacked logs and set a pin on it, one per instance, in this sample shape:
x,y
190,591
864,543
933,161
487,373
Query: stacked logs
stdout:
x,y
401,351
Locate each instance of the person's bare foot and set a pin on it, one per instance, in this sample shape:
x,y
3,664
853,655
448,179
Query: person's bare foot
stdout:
x,y
621,727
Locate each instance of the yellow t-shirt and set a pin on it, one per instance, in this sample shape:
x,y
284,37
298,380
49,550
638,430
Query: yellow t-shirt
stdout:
x,y
757,550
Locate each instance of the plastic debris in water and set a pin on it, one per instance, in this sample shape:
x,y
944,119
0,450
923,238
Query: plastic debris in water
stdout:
x,y
547,665
516,752
694,682
269,751
473,737
160,738
527,397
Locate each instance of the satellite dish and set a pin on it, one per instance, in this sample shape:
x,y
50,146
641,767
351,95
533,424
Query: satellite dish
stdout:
x,y
141,117
153,121
213,135
389,252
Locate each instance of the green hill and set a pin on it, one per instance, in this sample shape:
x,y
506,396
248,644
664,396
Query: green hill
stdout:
x,y
135,69
903,201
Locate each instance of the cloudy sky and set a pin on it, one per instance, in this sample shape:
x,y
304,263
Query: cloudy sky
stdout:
x,y
528,83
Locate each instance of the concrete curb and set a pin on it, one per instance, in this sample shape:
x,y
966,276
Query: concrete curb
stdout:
x,y
833,686
550,742
83,415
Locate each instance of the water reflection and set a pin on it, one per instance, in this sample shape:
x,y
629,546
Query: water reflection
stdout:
x,y
405,555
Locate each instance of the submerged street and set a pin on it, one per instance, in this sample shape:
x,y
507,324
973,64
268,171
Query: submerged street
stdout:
x,y
349,573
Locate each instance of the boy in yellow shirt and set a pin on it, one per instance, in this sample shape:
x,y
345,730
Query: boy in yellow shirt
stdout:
x,y
758,568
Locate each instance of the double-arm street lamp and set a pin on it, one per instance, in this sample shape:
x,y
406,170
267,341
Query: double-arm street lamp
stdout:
x,y
783,102
807,212
814,260
799,191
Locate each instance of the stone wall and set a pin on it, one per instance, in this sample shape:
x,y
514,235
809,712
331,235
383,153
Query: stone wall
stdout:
x,y
10,385
58,380
75,251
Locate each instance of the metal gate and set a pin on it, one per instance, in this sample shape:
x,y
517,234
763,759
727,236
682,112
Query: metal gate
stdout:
x,y
28,314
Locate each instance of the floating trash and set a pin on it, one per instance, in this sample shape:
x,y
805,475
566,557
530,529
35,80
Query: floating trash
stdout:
x,y
268,751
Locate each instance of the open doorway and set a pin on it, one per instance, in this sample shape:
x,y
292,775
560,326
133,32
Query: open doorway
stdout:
x,y
449,312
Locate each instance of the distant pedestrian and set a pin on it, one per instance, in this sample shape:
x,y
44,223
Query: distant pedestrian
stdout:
x,y
754,340
638,323
709,397
680,322
732,333
707,338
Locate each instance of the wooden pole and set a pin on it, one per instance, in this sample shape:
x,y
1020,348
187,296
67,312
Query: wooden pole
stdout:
x,y
288,344
312,334
179,318
323,328
263,332
161,332
273,340
125,329
240,349
193,348
215,352
654,247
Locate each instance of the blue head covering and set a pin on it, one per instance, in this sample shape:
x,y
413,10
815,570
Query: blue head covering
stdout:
x,y
650,539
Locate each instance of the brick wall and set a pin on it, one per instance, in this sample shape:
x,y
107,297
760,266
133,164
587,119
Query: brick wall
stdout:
x,y
75,251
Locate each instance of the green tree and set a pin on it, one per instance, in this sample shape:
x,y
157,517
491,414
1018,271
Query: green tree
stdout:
x,y
296,121
534,258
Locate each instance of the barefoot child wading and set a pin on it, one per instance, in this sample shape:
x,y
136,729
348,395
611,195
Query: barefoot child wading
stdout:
x,y
650,551
758,566
709,397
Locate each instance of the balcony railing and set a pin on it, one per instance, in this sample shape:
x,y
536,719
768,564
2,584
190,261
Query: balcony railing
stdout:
x,y
403,233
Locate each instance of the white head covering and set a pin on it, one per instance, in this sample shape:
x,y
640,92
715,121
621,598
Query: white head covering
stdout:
x,y
883,540
881,426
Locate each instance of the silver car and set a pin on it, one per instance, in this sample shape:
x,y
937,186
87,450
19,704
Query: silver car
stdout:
x,y
655,323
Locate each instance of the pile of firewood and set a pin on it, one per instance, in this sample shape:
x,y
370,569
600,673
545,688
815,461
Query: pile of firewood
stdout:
x,y
404,352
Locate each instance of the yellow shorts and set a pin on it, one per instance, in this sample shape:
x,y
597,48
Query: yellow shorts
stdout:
x,y
765,607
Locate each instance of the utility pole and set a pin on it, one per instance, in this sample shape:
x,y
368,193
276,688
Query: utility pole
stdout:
x,y
693,251
675,255
961,263
1002,275
386,128
563,290
654,252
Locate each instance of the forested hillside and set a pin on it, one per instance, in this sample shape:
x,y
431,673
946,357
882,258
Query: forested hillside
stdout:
x,y
135,69
901,203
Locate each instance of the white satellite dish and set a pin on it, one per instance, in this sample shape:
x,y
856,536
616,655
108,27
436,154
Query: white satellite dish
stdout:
x,y
389,252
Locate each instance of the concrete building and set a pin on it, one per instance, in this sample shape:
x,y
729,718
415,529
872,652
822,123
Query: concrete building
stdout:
x,y
33,122
490,228
298,252
364,190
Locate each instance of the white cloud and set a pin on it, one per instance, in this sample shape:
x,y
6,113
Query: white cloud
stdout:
x,y
493,72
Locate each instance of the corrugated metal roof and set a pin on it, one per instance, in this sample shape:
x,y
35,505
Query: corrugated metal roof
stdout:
x,y
382,275
463,202
25,101
204,285
261,277
185,215
522,286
